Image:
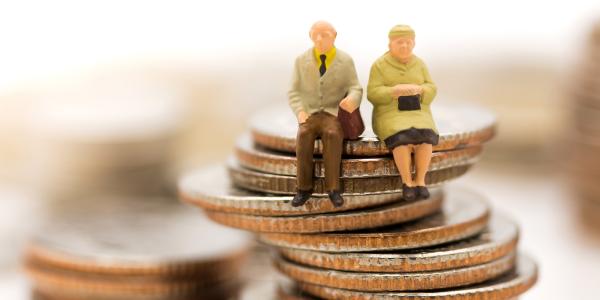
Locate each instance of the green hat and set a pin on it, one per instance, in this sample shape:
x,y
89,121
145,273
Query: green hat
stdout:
x,y
401,30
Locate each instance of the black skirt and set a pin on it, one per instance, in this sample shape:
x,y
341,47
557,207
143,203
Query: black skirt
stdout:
x,y
412,136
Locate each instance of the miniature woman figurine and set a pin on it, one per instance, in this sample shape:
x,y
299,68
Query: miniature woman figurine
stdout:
x,y
401,91
323,82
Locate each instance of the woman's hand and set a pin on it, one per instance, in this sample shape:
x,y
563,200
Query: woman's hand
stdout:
x,y
406,90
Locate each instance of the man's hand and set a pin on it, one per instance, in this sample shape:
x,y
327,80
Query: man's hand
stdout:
x,y
406,90
347,105
302,117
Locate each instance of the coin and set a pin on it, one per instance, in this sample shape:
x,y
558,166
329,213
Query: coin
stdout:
x,y
73,283
280,184
459,126
393,213
267,161
53,288
288,291
380,282
210,188
499,239
150,236
464,214
508,286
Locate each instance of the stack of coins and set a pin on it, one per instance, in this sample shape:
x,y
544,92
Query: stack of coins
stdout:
x,y
376,246
584,139
125,249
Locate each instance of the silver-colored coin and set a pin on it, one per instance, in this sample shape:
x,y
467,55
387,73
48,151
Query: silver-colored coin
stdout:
x,y
381,282
211,189
394,213
459,126
135,236
499,239
508,286
464,214
264,160
281,184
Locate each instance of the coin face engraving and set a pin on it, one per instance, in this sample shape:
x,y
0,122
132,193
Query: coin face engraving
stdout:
x,y
464,214
459,126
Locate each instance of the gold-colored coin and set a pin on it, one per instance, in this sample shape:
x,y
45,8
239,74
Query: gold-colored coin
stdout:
x,y
266,161
464,214
394,213
459,126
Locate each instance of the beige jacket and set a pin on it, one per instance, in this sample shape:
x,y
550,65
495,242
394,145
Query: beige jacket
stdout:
x,y
311,93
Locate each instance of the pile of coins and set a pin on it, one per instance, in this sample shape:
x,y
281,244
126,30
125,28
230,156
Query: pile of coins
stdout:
x,y
376,246
584,138
122,249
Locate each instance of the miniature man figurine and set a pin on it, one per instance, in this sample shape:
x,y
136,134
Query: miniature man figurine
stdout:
x,y
401,90
324,80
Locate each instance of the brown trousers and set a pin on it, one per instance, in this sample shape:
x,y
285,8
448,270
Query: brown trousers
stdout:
x,y
328,128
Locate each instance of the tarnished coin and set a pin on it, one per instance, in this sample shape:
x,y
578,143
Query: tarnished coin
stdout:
x,y
459,126
464,214
281,184
394,213
381,282
508,286
497,240
137,237
267,161
211,189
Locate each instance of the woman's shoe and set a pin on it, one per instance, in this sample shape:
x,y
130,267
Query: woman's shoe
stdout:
x,y
408,193
422,192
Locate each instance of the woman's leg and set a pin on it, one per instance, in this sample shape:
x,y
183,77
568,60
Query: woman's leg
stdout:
x,y
403,163
422,160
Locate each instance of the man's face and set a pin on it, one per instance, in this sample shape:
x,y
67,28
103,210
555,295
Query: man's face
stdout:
x,y
323,37
401,47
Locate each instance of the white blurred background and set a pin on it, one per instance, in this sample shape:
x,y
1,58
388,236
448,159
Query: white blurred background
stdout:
x,y
95,92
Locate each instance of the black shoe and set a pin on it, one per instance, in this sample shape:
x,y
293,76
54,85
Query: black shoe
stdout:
x,y
301,197
422,192
408,193
336,198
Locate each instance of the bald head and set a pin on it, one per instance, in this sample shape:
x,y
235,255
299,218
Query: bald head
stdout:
x,y
323,35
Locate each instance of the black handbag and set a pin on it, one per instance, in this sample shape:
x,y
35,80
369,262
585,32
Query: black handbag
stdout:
x,y
409,102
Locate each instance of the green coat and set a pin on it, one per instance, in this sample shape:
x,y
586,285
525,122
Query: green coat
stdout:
x,y
386,72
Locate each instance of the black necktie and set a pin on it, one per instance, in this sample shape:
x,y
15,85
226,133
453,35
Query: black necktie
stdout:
x,y
323,67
